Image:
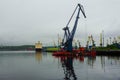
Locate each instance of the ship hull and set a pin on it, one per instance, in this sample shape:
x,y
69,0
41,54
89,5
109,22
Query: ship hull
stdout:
x,y
38,50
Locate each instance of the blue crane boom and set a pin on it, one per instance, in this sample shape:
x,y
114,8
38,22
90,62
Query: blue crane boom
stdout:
x,y
68,36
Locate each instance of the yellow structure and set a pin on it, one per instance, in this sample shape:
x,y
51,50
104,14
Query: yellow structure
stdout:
x,y
38,46
90,42
118,39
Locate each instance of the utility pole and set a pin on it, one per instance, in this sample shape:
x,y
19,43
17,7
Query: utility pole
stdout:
x,y
110,40
107,42
58,40
103,38
100,39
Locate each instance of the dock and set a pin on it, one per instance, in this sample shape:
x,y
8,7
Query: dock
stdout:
x,y
108,52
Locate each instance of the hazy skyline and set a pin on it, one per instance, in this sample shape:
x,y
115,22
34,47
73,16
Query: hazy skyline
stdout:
x,y
28,21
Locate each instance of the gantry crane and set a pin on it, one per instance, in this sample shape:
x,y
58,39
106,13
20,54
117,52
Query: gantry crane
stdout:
x,y
90,42
68,36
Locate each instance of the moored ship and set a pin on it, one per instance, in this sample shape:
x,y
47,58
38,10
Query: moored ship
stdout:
x,y
38,46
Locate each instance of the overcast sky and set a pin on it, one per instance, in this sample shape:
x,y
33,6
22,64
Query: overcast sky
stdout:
x,y
28,21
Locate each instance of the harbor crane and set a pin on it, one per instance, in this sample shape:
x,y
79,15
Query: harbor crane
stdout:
x,y
69,35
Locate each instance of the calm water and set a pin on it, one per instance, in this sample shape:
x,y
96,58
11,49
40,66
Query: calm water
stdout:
x,y
28,65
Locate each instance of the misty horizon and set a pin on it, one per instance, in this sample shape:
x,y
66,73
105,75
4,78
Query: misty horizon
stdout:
x,y
26,21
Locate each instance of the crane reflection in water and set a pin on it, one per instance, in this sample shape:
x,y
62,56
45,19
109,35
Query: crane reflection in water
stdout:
x,y
67,65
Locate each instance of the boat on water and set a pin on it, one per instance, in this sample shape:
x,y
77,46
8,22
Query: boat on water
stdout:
x,y
38,46
75,52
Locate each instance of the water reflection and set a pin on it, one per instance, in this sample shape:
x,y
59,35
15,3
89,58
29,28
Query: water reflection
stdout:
x,y
19,65
99,64
103,62
81,58
114,60
91,61
38,56
67,64
68,67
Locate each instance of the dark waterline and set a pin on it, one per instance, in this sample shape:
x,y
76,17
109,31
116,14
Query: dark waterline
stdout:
x,y
29,65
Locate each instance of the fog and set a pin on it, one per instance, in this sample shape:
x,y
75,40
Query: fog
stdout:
x,y
28,21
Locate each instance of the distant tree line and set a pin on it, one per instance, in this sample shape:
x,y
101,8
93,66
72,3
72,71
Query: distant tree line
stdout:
x,y
17,48
114,46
